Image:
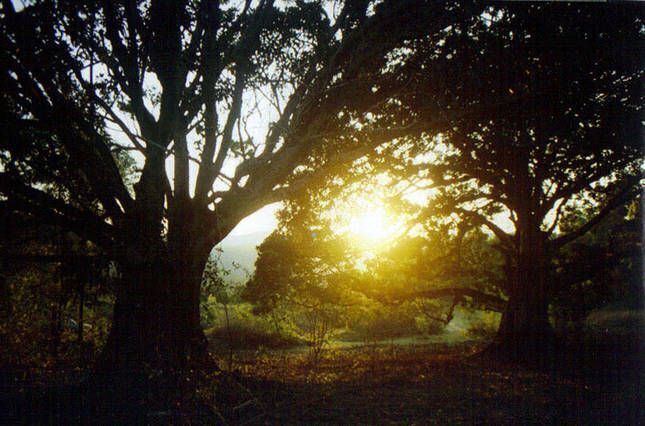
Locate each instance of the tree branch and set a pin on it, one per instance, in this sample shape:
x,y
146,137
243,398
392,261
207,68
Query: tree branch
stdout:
x,y
491,301
57,212
628,190
481,220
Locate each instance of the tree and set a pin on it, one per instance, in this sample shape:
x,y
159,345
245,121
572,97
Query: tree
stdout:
x,y
603,267
572,139
185,83
304,277
548,125
378,286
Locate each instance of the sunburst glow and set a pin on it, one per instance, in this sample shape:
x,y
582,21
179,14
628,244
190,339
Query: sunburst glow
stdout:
x,y
373,225
367,224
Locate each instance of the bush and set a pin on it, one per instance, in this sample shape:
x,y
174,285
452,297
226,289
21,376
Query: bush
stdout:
x,y
383,322
483,325
245,337
429,326
609,324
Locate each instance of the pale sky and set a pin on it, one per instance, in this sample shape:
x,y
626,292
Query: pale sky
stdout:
x,y
263,220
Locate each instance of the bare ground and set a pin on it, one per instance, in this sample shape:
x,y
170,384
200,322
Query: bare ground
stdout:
x,y
439,384
388,384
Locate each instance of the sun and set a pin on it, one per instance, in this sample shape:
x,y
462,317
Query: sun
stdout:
x,y
367,219
368,225
372,225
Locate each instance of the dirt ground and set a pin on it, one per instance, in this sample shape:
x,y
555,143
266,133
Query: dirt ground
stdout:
x,y
418,384
439,384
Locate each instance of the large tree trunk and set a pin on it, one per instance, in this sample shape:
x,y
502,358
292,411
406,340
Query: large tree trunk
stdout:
x,y
156,322
525,333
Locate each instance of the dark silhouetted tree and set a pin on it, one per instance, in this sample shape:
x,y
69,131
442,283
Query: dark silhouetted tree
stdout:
x,y
544,106
566,135
184,86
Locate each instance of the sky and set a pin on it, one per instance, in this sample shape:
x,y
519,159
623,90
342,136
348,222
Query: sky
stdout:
x,y
239,247
262,221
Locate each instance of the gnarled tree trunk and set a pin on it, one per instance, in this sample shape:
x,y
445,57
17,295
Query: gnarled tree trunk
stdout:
x,y
156,320
525,333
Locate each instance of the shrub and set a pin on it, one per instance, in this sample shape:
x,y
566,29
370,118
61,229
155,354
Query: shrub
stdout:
x,y
483,325
245,337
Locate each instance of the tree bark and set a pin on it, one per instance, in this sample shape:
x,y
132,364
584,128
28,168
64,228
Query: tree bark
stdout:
x,y
156,322
525,333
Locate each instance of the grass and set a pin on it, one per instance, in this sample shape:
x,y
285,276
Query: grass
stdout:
x,y
436,383
239,337
399,381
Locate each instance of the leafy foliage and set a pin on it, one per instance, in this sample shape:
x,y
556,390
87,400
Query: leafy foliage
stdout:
x,y
263,98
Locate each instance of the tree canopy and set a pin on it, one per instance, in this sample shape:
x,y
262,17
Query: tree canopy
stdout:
x,y
225,108
544,147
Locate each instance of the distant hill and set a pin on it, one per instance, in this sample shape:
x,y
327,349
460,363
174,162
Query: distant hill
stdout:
x,y
241,250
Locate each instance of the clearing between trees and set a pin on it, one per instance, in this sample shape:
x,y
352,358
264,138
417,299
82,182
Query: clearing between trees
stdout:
x,y
382,383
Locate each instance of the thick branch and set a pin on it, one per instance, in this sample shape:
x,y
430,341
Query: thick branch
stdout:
x,y
491,301
56,212
127,60
181,167
481,220
626,192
